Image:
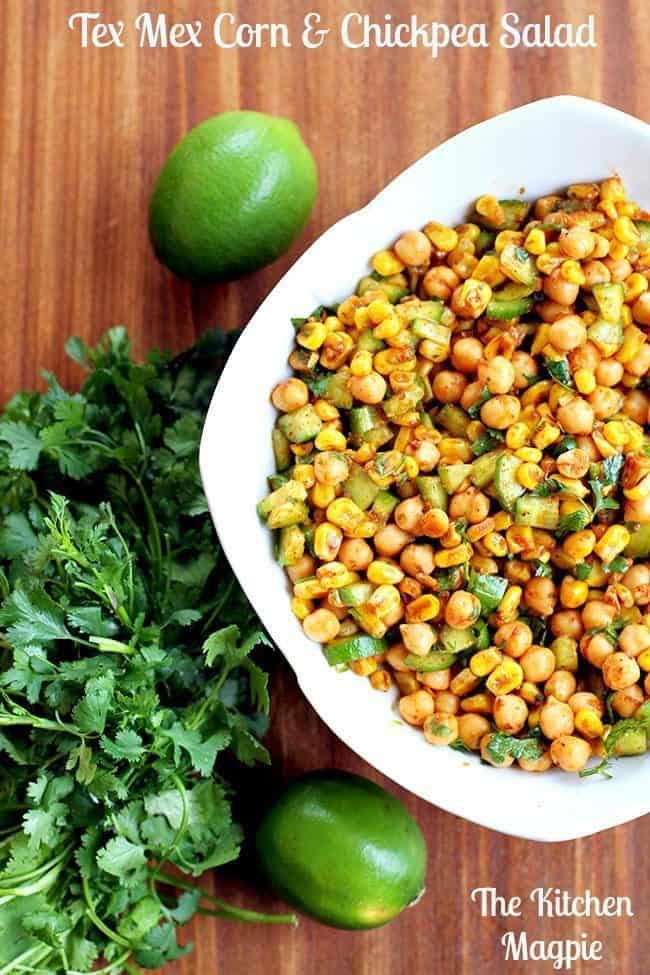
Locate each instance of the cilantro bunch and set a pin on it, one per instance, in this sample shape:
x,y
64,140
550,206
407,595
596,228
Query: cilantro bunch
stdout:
x,y
125,668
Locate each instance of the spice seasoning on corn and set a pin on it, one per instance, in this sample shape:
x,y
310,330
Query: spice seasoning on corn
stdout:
x,y
462,486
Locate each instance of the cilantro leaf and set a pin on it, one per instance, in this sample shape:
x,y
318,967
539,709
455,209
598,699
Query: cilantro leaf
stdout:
x,y
24,444
559,371
502,745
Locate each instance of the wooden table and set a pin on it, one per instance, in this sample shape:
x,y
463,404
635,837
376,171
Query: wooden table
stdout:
x,y
82,137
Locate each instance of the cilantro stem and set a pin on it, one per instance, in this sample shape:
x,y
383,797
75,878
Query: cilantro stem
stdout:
x,y
114,966
16,964
225,910
14,720
97,921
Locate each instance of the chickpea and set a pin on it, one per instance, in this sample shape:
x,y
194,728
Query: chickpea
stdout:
x,y
595,272
559,290
561,685
570,753
330,468
637,580
573,463
567,622
395,657
597,614
587,444
487,757
440,282
540,595
462,610
513,638
538,663
637,510
620,671
448,386
641,309
389,541
408,515
417,559
597,649
290,395
609,372
585,699
435,523
441,729
573,592
627,701
618,270
634,639
586,357
407,683
525,368
510,713
321,626
550,311
437,680
500,412
476,506
418,638
500,375
576,416
416,707
541,764
471,394
355,554
447,702
413,248
556,719
427,456
466,355
640,363
577,243
471,729
302,569
605,402
369,389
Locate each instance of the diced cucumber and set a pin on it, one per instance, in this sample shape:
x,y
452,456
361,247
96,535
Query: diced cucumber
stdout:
x,y
484,242
484,468
606,336
432,491
643,226
507,486
378,436
383,506
630,740
515,213
561,446
364,418
368,621
506,310
288,513
301,425
456,641
393,289
454,420
518,264
565,650
368,343
537,512
481,635
290,491
513,290
431,662
338,393
610,299
425,328
430,309
356,594
403,402
360,487
453,475
281,453
488,589
290,546
276,481
355,647
638,546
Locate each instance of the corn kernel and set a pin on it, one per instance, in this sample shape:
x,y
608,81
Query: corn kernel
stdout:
x,y
573,592
327,541
531,455
530,693
453,556
364,527
364,667
546,434
502,520
529,475
585,381
505,678
618,251
509,604
304,474
489,206
381,680
626,232
643,660
540,340
330,439
362,318
382,571
626,316
422,609
517,435
572,272
611,190
535,242
386,263
472,299
579,545
633,340
385,600
615,433
312,335
612,542
443,238
496,545
333,324
548,261
483,663
388,329
326,411
309,588
301,608
455,449
333,575
464,682
343,512
378,310
489,270
588,723
477,704
506,237
411,467
634,286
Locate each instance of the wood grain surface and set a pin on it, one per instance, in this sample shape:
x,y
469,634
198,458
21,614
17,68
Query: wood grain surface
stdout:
x,y
83,134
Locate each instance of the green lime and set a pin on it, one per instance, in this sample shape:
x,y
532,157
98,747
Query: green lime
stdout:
x,y
342,849
233,195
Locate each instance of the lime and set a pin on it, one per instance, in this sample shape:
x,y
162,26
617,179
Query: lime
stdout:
x,y
342,849
233,195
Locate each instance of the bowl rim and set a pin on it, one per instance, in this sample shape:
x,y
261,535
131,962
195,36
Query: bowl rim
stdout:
x,y
456,804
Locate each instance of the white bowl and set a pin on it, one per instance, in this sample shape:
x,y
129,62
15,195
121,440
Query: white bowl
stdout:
x,y
541,147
